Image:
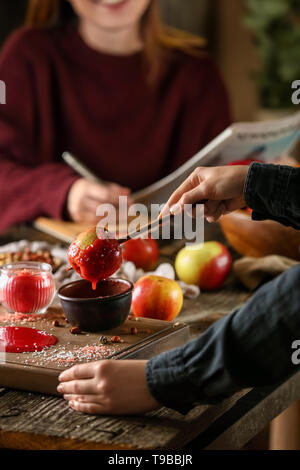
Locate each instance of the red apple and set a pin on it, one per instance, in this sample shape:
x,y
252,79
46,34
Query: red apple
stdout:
x,y
246,161
156,297
205,265
143,252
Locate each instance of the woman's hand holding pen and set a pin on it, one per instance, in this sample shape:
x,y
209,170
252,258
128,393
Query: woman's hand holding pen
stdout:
x,y
85,196
222,187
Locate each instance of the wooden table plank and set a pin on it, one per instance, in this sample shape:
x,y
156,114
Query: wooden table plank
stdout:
x,y
250,415
32,421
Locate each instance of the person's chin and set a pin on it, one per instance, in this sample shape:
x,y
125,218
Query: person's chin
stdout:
x,y
113,26
110,17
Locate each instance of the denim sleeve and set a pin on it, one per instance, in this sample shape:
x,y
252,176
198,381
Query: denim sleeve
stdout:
x,y
251,347
272,191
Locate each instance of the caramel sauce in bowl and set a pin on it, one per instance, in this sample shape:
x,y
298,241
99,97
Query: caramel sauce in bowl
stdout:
x,y
101,309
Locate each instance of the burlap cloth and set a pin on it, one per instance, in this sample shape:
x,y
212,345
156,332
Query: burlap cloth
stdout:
x,y
253,272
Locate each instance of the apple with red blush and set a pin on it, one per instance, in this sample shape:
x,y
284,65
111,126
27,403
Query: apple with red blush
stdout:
x,y
206,265
156,297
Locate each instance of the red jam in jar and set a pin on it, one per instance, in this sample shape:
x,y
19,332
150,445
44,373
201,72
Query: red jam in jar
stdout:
x,y
26,287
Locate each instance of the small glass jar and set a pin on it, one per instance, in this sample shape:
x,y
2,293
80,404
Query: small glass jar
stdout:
x,y
26,287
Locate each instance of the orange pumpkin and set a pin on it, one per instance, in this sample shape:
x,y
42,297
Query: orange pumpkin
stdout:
x,y
260,238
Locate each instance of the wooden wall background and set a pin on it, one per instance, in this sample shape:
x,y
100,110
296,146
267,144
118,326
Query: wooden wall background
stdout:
x,y
237,59
221,22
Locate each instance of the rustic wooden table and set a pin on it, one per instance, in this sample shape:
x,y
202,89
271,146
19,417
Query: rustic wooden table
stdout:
x,y
35,421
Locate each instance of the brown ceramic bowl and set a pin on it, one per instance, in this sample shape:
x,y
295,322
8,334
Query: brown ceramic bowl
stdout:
x,y
96,310
260,238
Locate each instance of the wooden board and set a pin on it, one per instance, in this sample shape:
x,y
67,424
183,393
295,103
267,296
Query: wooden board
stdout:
x,y
67,231
38,371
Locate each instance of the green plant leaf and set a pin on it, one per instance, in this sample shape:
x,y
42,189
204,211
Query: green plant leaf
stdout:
x,y
275,25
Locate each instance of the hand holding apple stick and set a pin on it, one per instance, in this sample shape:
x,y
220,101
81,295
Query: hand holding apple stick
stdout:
x,y
222,187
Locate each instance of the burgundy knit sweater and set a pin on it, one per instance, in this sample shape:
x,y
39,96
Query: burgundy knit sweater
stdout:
x,y
63,95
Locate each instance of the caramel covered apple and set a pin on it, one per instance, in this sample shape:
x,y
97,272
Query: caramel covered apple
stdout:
x,y
95,255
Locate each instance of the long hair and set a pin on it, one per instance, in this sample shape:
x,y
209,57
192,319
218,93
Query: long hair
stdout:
x,y
158,39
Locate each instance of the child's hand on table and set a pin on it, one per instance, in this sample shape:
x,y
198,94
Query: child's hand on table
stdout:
x,y
107,387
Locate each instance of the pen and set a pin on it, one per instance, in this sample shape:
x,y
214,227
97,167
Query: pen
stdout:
x,y
80,168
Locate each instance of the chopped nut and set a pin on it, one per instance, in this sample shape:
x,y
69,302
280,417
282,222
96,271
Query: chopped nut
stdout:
x,y
75,330
28,255
134,330
115,339
55,323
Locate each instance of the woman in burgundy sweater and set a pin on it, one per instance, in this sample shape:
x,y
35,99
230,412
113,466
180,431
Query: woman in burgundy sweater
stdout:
x,y
130,99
